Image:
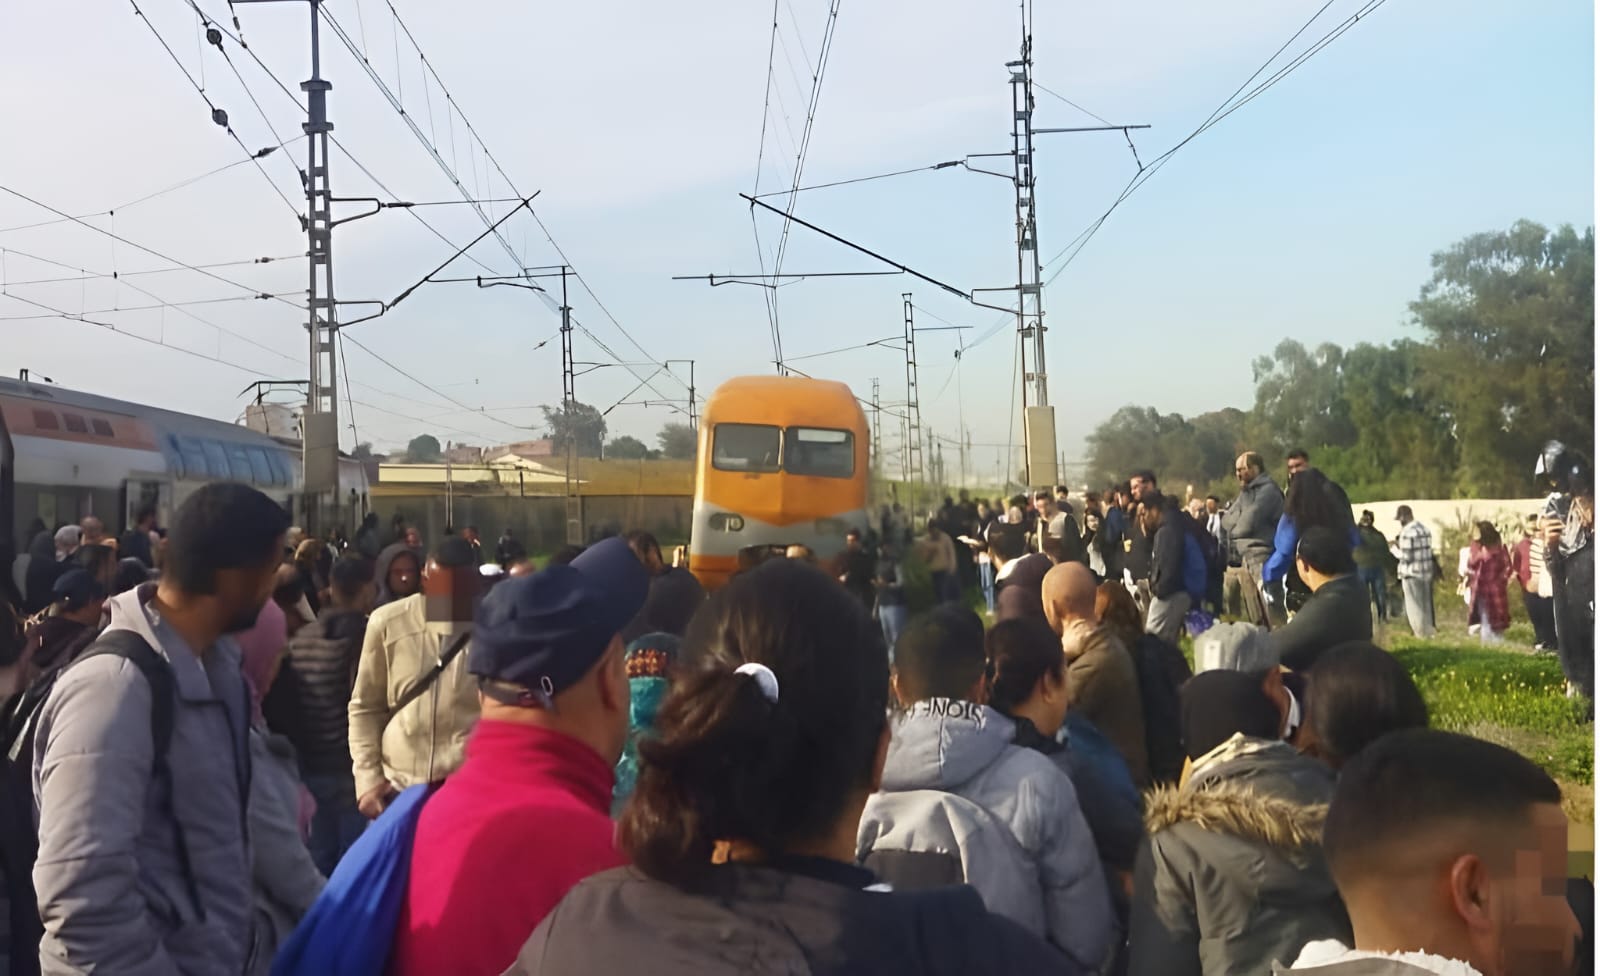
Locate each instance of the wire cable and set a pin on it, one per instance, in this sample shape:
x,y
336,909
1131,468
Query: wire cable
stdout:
x,y
217,115
1230,105
136,246
433,151
1098,118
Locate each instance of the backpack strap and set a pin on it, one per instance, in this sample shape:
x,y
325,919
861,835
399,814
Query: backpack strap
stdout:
x,y
133,648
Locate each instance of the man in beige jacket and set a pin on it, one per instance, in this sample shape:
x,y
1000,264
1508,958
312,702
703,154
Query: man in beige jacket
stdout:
x,y
394,747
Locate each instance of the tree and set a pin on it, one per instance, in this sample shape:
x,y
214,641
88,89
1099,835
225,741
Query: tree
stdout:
x,y
424,449
627,448
363,452
678,442
575,423
1510,316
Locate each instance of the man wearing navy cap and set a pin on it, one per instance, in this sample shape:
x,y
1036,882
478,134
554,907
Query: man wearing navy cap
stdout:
x,y
526,816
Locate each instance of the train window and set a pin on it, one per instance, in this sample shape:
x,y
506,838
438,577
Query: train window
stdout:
x,y
216,460
260,466
745,447
239,462
100,427
819,452
46,420
75,423
280,468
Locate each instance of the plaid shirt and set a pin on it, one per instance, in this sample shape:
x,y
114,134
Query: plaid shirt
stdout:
x,y
1415,552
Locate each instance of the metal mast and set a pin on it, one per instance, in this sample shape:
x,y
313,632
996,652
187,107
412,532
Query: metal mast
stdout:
x,y
913,410
569,399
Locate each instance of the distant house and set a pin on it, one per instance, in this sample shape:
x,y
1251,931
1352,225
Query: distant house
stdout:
x,y
530,450
463,454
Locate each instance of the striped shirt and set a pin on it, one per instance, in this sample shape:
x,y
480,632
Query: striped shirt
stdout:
x,y
1415,552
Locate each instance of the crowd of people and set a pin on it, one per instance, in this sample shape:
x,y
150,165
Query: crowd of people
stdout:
x,y
273,754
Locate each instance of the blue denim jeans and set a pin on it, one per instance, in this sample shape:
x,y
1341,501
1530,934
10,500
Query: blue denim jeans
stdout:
x,y
1378,586
337,822
986,582
893,621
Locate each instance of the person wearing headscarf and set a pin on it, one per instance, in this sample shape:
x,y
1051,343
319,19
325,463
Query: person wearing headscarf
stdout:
x,y
285,880
672,601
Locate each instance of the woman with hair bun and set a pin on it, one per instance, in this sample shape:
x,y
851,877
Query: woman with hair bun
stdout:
x,y
742,828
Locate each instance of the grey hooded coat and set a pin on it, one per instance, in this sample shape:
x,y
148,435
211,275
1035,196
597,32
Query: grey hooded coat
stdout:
x,y
1047,875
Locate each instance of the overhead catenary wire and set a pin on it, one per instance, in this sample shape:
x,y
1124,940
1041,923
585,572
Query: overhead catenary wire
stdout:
x,y
1228,106
824,50
218,116
398,105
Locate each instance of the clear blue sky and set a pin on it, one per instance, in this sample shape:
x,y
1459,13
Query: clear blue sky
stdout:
x,y
1310,213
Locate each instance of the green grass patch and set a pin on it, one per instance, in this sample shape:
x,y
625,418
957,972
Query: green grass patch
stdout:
x,y
1511,697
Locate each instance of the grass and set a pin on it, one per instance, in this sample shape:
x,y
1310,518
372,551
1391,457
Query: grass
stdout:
x,y
1507,694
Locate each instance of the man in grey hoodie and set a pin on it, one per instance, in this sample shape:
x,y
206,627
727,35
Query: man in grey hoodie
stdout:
x,y
134,876
956,788
1249,525
1451,855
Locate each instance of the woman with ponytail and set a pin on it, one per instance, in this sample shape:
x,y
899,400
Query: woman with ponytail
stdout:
x,y
742,828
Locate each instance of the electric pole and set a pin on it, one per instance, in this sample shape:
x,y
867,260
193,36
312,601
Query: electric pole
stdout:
x,y
913,409
1038,421
569,400
319,436
694,410
877,431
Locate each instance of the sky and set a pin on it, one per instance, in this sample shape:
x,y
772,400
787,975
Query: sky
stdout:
x,y
1310,213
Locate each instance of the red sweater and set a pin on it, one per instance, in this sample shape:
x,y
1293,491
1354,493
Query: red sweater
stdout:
x,y
500,843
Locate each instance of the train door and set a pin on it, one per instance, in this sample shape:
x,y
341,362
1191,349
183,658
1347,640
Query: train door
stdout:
x,y
146,491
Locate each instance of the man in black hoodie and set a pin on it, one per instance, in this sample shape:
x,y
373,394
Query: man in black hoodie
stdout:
x,y
323,657
1169,601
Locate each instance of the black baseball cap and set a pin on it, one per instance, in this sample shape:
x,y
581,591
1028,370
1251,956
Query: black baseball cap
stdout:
x,y
76,589
545,631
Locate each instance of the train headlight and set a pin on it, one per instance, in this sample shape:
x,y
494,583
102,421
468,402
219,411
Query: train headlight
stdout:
x,y
726,522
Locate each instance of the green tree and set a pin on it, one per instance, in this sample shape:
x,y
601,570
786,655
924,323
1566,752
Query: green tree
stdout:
x,y
424,449
627,448
678,441
575,423
363,451
1298,399
1510,316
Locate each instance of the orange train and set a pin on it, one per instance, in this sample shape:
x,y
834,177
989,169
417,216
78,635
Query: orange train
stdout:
x,y
782,461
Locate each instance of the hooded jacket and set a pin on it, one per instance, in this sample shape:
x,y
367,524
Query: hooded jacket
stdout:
x,y
1231,879
1103,687
111,894
799,915
1251,520
1331,958
324,655
953,747
380,570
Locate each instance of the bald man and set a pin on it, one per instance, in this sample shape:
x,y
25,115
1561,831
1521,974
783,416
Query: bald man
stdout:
x,y
1102,681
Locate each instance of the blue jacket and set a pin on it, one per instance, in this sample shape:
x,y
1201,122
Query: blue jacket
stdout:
x,y
1284,542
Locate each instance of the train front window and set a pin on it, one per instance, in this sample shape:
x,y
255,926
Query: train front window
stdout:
x,y
819,452
745,447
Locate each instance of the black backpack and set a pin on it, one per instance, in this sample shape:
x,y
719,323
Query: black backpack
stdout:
x,y
1162,672
19,838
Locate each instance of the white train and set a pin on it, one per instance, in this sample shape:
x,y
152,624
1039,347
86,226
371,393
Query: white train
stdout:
x,y
65,455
